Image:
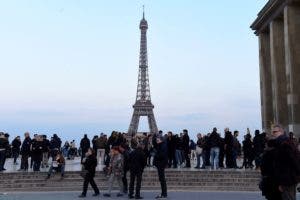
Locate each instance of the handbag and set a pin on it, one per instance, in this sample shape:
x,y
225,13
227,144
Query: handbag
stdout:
x,y
198,150
83,172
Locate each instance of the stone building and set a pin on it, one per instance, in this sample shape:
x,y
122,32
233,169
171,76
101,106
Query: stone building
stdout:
x,y
278,29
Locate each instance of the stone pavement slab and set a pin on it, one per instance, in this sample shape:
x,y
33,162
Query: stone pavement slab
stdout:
x,y
146,195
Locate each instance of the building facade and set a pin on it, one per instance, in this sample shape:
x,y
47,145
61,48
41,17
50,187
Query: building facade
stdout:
x,y
278,29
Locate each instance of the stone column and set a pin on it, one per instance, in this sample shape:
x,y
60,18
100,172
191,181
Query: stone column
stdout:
x,y
265,81
292,53
279,87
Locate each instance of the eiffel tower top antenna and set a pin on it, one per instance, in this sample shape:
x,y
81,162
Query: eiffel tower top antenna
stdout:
x,y
143,11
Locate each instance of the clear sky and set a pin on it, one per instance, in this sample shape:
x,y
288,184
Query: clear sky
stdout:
x,y
70,66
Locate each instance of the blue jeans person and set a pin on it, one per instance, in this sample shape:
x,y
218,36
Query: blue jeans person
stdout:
x,y
198,160
60,168
214,157
178,157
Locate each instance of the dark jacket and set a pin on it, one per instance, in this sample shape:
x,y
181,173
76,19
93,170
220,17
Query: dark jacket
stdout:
x,y
268,184
16,144
37,150
186,142
25,149
4,144
161,156
85,144
90,165
137,161
287,162
214,140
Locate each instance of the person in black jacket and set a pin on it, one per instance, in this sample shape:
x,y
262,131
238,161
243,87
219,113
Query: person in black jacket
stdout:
x,y
37,152
16,143
89,164
186,148
25,152
248,151
137,163
3,147
214,144
125,150
268,184
228,147
160,162
84,145
171,150
286,165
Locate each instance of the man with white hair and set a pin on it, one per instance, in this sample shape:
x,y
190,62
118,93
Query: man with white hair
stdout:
x,y
286,164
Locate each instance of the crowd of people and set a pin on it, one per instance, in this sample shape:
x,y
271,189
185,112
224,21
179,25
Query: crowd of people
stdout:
x,y
121,154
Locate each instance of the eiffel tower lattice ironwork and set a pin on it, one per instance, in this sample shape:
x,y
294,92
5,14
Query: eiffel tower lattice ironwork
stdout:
x,y
143,105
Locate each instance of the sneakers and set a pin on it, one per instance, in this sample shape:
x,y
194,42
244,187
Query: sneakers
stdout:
x,y
106,195
82,196
130,196
161,197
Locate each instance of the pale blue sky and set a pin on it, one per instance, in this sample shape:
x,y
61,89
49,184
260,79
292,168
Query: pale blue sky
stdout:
x,y
70,67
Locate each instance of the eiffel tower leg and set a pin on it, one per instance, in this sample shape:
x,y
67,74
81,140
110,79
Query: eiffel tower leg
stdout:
x,y
134,124
152,123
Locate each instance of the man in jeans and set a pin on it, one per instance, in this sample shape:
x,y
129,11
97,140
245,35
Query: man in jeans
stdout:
x,y
214,143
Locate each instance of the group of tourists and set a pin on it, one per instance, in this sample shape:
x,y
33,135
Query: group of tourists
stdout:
x,y
120,157
275,154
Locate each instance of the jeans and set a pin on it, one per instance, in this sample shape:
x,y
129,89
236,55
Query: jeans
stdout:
x,y
198,160
178,157
15,154
214,157
24,162
60,168
100,156
289,192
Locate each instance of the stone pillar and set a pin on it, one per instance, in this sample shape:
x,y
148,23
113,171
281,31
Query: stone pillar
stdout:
x,y
265,81
279,86
292,54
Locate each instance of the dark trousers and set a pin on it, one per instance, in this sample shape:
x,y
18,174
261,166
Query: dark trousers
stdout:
x,y
24,162
2,159
36,165
187,159
89,179
15,155
162,180
138,176
124,180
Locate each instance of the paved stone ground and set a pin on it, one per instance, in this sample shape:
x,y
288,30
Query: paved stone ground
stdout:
x,y
146,195
74,165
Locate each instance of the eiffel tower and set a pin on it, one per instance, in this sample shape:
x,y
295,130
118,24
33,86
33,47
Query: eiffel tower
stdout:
x,y
143,105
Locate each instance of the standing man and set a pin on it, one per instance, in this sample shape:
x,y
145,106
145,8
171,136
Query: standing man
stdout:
x,y
286,164
186,148
160,162
25,152
16,143
214,144
3,146
137,163
84,145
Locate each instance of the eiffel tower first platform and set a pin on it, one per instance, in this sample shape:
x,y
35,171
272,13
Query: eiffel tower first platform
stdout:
x,y
143,105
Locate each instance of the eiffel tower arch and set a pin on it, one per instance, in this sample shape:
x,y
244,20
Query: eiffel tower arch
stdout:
x,y
143,105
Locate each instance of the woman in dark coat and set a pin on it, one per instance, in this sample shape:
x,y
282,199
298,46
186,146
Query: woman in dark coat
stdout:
x,y
89,164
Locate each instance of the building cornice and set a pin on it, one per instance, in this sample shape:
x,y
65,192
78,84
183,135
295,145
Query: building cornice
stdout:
x,y
272,10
